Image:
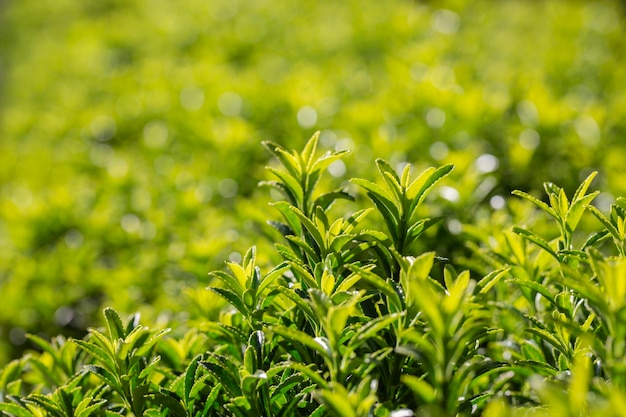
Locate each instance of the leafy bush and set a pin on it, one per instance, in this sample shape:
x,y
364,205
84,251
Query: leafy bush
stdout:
x,y
353,321
130,131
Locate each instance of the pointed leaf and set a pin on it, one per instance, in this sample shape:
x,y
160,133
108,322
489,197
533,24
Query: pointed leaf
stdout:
x,y
97,353
605,222
231,298
425,181
491,279
577,208
309,151
114,324
300,337
288,160
292,185
536,239
420,387
327,159
380,197
15,410
543,206
582,189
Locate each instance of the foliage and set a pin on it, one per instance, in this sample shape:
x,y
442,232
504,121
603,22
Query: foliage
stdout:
x,y
354,321
130,132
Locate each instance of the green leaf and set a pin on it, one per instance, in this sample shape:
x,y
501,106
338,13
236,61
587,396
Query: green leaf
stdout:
x,y
535,286
239,273
306,248
491,279
108,377
543,206
114,324
532,352
606,223
98,354
309,151
380,197
536,239
327,199
391,179
231,298
421,388
190,376
231,282
311,227
323,162
595,239
147,372
563,204
421,186
220,371
87,407
288,160
300,337
417,228
303,274
577,209
15,410
167,400
300,303
337,402
380,284
11,372
374,327
272,276
310,373
548,338
293,187
582,189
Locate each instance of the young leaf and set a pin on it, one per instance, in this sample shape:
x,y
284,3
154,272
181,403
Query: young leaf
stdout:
x,y
582,189
543,206
309,151
422,185
536,239
114,324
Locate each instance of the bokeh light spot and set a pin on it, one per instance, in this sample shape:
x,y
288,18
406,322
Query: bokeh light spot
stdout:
x,y
307,116
487,163
529,139
446,21
438,150
588,130
497,202
450,193
435,118
337,169
155,134
228,188
130,223
191,98
230,104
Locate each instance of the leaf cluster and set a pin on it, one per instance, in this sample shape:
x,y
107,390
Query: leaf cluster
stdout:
x,y
353,321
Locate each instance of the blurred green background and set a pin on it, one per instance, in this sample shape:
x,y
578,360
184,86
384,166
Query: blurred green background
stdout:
x,y
130,130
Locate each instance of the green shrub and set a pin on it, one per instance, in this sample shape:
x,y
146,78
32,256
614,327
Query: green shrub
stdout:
x,y
352,321
130,131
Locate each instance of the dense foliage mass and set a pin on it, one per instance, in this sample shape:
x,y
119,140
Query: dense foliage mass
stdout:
x,y
353,322
130,130
130,155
